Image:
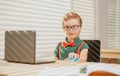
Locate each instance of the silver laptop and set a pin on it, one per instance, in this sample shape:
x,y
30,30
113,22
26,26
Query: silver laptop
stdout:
x,y
20,46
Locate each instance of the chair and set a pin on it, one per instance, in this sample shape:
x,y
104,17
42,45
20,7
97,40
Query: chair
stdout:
x,y
93,51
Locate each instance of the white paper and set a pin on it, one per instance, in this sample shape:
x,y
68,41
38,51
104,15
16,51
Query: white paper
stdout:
x,y
61,71
75,70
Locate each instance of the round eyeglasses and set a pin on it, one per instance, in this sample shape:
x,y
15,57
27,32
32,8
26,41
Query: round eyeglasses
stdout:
x,y
74,27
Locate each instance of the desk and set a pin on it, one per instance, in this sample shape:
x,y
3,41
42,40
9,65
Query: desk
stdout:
x,y
110,54
19,69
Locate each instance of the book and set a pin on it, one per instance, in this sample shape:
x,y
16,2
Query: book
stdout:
x,y
102,69
94,69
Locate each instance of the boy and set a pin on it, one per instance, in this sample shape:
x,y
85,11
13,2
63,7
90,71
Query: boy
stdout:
x,y
73,46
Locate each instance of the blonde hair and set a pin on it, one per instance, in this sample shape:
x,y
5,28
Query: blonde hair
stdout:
x,y
71,15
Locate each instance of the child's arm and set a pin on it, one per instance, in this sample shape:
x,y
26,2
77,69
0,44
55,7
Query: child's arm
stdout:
x,y
56,58
83,55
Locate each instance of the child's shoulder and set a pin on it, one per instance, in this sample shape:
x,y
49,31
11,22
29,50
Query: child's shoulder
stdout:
x,y
59,44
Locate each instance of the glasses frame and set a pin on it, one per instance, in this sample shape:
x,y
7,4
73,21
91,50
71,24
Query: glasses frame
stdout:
x,y
73,27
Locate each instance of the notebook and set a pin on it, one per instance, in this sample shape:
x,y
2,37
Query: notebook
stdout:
x,y
20,46
93,69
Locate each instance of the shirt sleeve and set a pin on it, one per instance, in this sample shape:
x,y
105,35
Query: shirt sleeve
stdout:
x,y
85,46
56,50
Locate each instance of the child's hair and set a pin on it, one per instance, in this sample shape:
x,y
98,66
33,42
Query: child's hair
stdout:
x,y
71,15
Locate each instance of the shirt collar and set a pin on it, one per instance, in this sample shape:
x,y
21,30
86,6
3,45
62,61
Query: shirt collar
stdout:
x,y
77,40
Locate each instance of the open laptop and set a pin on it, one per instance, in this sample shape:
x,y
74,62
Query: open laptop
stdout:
x,y
20,46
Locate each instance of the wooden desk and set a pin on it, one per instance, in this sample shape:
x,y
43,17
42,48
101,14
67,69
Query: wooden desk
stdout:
x,y
19,69
110,54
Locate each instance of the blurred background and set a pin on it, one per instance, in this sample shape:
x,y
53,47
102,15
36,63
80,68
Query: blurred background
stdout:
x,y
101,21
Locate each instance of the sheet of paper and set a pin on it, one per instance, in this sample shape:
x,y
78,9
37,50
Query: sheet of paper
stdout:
x,y
61,71
75,70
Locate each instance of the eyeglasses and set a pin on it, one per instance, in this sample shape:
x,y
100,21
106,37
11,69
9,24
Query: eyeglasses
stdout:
x,y
74,27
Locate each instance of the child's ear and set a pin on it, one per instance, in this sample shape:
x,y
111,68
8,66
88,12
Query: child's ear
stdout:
x,y
80,27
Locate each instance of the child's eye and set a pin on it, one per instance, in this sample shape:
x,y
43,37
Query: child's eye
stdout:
x,y
75,26
67,27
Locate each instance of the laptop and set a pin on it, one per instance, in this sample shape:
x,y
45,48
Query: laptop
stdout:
x,y
20,46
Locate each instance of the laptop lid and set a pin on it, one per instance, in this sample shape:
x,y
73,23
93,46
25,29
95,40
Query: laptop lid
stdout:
x,y
20,46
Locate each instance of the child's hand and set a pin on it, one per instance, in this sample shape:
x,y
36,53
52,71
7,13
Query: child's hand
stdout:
x,y
73,55
73,59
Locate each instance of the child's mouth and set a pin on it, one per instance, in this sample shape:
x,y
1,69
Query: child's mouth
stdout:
x,y
71,34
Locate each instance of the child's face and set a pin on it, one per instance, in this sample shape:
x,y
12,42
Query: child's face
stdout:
x,y
72,28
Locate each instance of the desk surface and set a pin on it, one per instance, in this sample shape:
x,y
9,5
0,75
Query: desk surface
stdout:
x,y
110,50
110,53
19,69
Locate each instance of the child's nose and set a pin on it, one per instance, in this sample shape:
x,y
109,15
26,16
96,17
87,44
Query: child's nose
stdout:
x,y
71,29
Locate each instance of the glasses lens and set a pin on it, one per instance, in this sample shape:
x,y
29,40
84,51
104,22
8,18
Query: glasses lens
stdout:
x,y
75,27
67,28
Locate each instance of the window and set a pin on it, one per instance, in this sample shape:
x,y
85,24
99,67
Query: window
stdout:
x,y
86,9
45,17
114,24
